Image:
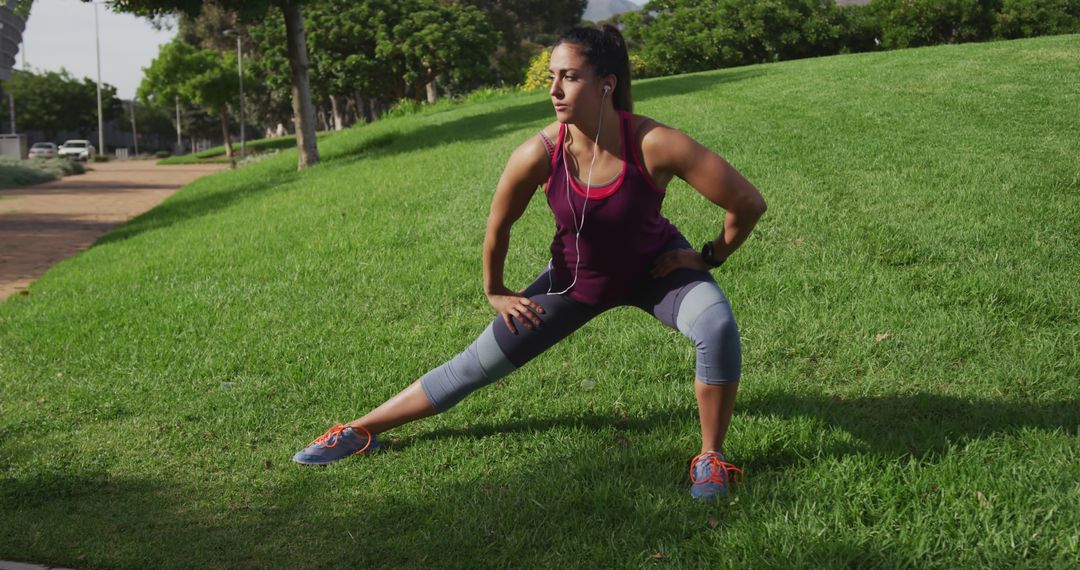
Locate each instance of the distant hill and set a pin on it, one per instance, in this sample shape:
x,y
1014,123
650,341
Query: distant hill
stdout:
x,y
598,10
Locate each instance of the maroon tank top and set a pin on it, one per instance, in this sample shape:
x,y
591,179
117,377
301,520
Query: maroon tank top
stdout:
x,y
623,229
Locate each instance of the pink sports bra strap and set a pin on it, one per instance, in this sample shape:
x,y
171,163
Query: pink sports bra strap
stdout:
x,y
547,143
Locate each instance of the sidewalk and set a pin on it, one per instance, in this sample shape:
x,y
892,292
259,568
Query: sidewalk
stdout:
x,y
5,565
44,224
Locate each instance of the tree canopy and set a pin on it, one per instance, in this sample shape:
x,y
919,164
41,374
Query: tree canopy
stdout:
x,y
55,101
198,76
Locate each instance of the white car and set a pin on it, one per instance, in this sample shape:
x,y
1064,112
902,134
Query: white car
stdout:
x,y
77,149
43,150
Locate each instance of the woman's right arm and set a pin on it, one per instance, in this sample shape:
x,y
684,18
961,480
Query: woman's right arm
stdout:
x,y
527,169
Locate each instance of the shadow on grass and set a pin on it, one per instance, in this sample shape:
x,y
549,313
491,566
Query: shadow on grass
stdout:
x,y
484,126
476,127
188,205
617,510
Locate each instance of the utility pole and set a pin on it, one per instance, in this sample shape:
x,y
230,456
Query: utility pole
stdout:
x,y
11,109
100,122
179,143
134,131
240,66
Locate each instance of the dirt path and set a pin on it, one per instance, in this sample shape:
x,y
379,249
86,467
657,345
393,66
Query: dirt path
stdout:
x,y
44,224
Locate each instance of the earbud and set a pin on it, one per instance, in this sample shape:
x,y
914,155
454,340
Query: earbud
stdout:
x,y
607,89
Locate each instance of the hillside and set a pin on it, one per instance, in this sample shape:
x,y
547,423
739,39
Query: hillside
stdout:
x,y
908,310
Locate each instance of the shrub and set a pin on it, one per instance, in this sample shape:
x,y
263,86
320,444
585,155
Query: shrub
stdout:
x,y
695,35
404,107
101,158
536,77
487,93
861,30
1030,18
912,23
15,172
642,67
162,154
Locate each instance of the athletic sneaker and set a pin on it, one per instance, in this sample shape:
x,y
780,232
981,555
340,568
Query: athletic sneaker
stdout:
x,y
337,443
710,476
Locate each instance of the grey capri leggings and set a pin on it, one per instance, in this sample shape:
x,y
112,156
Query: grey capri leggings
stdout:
x,y
686,300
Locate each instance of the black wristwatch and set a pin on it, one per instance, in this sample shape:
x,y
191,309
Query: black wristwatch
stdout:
x,y
706,254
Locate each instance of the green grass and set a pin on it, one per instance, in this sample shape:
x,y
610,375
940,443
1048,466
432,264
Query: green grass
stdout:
x,y
909,312
217,154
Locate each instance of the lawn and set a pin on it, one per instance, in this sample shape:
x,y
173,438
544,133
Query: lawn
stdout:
x,y
217,154
909,311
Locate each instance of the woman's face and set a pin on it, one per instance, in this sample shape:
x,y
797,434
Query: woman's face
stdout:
x,y
575,89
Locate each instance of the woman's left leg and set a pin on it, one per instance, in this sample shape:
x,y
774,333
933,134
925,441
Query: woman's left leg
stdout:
x,y
692,303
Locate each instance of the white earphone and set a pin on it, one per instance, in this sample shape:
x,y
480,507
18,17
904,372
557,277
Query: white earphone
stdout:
x,y
588,188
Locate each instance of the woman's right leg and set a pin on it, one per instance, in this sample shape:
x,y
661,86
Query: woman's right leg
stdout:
x,y
494,354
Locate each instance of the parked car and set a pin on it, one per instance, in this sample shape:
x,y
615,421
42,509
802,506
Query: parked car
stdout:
x,y
77,149
43,150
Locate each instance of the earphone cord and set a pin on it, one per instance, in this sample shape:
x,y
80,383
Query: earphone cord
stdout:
x,y
588,189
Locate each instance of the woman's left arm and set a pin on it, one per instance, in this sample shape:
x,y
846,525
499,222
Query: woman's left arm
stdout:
x,y
673,153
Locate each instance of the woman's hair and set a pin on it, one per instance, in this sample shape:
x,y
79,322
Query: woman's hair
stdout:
x,y
605,51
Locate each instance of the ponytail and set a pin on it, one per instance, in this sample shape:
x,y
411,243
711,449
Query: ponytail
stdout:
x,y
605,51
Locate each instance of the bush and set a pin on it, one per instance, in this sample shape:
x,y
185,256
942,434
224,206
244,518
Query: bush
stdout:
x,y
404,107
536,77
912,23
162,154
63,166
696,35
642,67
15,172
861,30
1030,18
101,158
487,93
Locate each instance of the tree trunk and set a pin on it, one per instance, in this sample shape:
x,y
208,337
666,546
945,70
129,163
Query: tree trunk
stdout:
x,y
432,92
303,110
225,133
336,110
363,105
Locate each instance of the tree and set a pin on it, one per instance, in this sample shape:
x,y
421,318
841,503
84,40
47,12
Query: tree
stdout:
x,y
525,27
432,39
913,23
56,101
380,50
250,11
202,77
1030,18
695,35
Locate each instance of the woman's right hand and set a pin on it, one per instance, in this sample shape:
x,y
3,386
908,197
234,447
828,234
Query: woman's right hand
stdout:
x,y
511,305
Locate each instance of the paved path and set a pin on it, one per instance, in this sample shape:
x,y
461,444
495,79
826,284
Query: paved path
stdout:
x,y
6,565
47,223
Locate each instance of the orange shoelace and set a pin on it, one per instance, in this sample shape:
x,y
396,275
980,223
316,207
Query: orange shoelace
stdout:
x,y
722,471
332,435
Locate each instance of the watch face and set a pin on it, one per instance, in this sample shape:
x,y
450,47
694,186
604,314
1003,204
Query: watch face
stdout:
x,y
706,253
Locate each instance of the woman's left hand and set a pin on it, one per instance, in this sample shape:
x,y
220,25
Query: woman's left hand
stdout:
x,y
677,259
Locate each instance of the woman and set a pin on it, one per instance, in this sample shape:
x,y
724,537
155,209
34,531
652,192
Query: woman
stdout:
x,y
611,248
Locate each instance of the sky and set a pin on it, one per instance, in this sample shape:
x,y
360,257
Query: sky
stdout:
x,y
60,34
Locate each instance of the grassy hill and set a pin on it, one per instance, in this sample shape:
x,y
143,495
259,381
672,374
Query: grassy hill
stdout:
x,y
909,310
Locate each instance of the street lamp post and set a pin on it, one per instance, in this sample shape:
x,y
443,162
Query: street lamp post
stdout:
x,y
240,71
134,129
179,143
100,123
